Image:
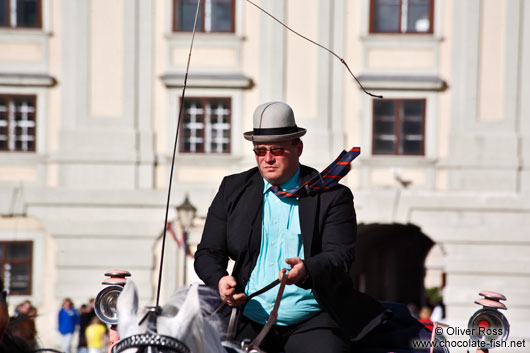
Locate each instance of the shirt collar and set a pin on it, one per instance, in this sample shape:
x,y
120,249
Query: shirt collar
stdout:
x,y
289,184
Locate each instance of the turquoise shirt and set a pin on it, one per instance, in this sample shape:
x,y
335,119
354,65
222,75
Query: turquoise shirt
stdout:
x,y
280,239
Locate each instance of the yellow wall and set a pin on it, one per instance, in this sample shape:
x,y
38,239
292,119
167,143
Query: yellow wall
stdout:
x,y
106,58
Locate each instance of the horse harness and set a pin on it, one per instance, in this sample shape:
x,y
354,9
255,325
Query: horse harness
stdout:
x,y
253,346
152,342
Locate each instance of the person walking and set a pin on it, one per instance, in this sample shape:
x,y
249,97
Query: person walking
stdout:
x,y
68,319
96,336
86,313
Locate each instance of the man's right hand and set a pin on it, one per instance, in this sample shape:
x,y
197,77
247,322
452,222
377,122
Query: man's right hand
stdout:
x,y
227,288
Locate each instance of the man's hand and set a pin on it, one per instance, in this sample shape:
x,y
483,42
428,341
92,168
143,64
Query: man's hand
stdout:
x,y
227,287
298,272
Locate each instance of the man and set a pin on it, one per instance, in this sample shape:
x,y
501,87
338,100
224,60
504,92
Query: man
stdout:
x,y
312,236
86,314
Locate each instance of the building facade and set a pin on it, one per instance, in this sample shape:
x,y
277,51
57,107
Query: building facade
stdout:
x,y
89,99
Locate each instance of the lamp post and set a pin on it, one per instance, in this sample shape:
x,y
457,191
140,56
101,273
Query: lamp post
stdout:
x,y
185,213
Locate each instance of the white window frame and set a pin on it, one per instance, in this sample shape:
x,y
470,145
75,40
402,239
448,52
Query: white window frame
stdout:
x,y
207,125
207,10
403,19
431,122
237,142
11,109
13,20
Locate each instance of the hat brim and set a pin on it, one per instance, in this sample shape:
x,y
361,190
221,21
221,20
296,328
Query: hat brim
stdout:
x,y
249,135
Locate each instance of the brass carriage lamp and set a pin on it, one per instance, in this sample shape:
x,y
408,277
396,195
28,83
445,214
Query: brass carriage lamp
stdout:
x,y
489,326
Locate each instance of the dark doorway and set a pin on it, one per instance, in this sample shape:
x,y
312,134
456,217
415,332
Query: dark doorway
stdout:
x,y
390,260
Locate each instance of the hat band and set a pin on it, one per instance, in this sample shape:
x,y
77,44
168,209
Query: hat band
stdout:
x,y
276,130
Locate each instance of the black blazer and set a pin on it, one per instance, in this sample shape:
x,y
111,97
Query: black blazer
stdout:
x,y
328,226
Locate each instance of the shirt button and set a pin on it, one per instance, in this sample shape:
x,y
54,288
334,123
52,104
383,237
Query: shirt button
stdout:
x,y
272,263
275,221
270,306
277,201
273,243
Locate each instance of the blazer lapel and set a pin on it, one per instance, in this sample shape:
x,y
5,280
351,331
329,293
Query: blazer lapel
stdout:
x,y
254,201
307,211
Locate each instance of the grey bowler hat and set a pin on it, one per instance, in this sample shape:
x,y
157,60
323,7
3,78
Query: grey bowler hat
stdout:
x,y
274,121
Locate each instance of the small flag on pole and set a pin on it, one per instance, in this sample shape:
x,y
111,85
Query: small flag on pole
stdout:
x,y
181,241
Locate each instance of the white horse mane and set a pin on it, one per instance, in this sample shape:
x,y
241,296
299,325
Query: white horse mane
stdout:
x,y
183,317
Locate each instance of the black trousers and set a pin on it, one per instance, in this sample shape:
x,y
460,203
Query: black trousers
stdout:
x,y
319,334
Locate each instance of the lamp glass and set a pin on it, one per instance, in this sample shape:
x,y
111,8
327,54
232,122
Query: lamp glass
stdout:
x,y
186,218
186,213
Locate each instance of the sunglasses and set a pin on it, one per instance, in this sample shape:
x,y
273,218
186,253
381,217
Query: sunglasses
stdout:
x,y
275,151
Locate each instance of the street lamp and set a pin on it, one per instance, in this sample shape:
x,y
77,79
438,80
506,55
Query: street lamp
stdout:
x,y
186,213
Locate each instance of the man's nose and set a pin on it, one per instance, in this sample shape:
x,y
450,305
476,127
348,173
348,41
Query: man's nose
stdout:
x,y
269,157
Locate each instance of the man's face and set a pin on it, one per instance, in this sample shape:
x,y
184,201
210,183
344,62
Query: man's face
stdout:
x,y
280,168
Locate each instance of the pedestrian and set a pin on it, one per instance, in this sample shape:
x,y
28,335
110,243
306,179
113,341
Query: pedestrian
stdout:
x,y
265,220
22,308
22,324
96,335
86,313
67,322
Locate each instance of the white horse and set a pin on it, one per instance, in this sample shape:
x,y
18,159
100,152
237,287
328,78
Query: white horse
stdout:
x,y
183,317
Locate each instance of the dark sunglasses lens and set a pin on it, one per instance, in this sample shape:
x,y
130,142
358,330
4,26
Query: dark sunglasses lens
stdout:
x,y
260,152
278,151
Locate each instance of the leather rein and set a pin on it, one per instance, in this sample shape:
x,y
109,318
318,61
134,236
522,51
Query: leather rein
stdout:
x,y
235,316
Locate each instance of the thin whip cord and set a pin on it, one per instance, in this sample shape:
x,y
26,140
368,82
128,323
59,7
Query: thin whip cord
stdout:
x,y
320,45
174,153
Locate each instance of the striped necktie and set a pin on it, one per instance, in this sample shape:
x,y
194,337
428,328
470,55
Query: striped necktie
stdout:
x,y
325,180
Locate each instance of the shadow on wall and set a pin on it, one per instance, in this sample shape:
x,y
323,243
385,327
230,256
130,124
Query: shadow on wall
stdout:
x,y
390,262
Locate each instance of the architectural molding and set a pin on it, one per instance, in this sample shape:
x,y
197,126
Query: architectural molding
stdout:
x,y
402,82
27,80
210,80
398,161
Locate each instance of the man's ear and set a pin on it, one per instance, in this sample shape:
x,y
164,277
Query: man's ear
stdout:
x,y
300,148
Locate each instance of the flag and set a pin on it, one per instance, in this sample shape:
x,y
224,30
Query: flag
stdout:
x,y
181,241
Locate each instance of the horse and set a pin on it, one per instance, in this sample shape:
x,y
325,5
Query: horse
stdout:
x,y
186,317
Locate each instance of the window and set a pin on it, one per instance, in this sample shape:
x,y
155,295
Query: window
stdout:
x,y
16,259
398,126
20,13
17,123
214,15
401,16
205,126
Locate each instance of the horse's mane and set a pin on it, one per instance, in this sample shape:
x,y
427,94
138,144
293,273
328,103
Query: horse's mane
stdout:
x,y
23,326
186,316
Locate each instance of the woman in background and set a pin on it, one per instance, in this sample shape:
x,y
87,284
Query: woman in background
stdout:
x,y
68,320
96,336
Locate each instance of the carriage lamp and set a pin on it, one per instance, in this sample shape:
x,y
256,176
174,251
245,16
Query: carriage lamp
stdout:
x,y
107,299
185,213
489,325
